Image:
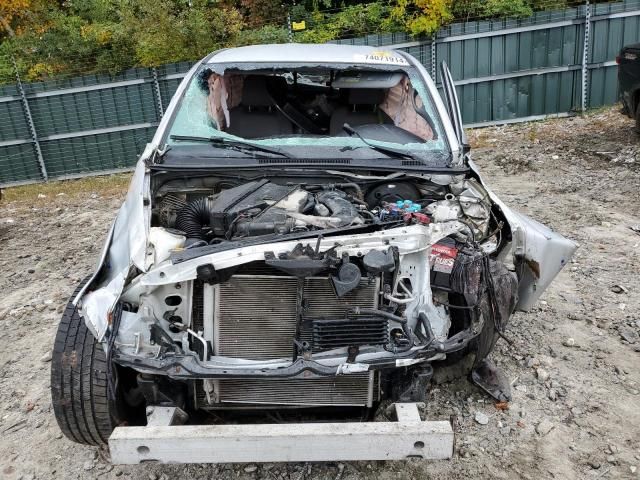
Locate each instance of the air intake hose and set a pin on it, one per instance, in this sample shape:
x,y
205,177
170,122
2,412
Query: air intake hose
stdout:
x,y
193,218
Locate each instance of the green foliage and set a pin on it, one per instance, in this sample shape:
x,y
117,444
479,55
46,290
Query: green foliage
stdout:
x,y
480,9
166,31
258,13
477,9
266,34
352,21
422,17
52,38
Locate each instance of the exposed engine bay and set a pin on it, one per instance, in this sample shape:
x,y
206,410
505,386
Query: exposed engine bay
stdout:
x,y
356,278
262,207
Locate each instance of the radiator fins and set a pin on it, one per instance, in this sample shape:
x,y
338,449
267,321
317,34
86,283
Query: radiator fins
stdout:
x,y
254,318
346,390
255,315
329,334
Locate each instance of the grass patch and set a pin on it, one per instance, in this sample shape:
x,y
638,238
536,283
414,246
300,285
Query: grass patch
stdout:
x,y
103,185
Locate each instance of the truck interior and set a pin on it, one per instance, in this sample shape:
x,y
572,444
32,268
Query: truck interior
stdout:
x,y
380,105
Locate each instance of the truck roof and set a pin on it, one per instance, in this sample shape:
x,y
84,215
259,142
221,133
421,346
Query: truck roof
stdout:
x,y
310,54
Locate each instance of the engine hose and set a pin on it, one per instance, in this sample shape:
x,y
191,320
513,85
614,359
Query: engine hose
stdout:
x,y
352,185
410,336
395,349
193,218
422,318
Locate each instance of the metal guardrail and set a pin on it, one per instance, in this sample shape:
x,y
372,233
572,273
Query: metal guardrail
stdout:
x,y
583,19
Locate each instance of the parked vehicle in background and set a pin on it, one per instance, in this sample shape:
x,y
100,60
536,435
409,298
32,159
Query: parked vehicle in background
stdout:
x,y
305,235
629,81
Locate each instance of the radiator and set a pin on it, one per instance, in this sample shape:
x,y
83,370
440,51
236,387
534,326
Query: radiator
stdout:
x,y
254,316
346,390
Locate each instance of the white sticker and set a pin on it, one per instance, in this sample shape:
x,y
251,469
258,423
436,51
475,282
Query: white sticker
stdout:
x,y
347,368
381,56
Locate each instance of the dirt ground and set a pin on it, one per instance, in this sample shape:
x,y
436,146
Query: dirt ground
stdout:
x,y
574,361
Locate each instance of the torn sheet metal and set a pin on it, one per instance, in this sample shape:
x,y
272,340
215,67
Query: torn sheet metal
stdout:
x,y
127,244
542,251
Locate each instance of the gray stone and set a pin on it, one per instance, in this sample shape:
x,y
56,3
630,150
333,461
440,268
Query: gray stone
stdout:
x,y
595,464
88,465
250,468
628,334
542,374
481,418
569,342
46,357
544,427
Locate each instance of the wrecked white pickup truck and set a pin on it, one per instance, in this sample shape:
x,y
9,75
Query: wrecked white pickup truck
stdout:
x,y
304,238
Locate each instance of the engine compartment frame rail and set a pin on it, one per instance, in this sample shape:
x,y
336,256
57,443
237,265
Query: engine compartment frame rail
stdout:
x,y
408,437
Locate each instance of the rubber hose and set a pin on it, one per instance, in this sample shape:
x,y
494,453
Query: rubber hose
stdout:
x,y
193,218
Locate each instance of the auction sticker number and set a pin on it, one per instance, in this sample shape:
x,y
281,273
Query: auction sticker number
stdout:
x,y
382,57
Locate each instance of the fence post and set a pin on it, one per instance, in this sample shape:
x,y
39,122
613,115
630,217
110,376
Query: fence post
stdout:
x,y
434,67
30,124
156,90
289,26
585,57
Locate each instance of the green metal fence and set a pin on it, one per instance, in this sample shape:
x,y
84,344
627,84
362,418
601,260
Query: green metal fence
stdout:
x,y
552,63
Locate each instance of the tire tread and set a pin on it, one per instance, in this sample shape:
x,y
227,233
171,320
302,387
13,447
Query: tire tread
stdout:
x,y
79,381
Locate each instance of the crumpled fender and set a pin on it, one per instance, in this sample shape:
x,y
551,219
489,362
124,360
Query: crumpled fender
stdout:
x,y
542,252
125,247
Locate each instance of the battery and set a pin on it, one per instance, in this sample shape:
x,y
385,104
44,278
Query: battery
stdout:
x,y
443,256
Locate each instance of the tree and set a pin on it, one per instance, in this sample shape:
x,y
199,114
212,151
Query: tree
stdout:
x,y
165,31
10,9
422,17
258,13
352,21
52,38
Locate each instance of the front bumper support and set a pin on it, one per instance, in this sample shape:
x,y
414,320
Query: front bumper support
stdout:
x,y
409,437
189,367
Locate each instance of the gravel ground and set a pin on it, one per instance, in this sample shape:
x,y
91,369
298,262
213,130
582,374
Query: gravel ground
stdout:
x,y
574,359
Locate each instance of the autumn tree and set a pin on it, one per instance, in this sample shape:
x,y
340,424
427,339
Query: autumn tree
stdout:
x,y
9,9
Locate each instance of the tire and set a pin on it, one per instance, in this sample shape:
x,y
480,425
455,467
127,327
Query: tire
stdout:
x,y
79,381
638,118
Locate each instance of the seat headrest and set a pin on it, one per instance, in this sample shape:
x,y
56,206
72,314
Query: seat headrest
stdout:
x,y
366,96
255,92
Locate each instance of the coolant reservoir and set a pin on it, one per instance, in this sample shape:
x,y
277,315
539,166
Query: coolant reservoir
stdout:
x,y
163,241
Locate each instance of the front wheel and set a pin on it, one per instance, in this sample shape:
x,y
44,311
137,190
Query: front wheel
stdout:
x,y
79,381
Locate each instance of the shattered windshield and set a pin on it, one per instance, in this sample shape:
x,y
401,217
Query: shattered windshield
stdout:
x,y
385,111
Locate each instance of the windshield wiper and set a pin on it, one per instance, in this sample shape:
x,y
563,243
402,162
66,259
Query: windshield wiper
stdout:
x,y
239,145
392,152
